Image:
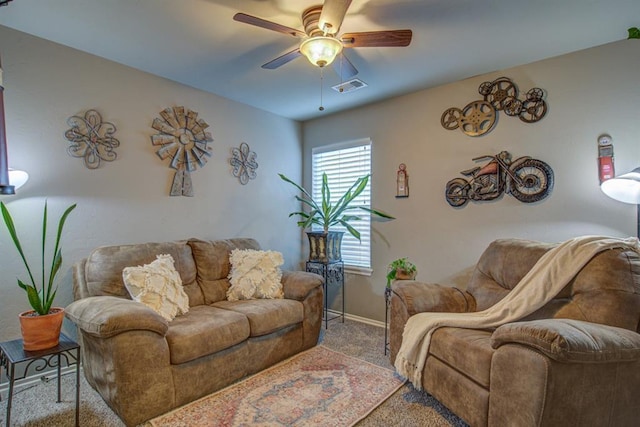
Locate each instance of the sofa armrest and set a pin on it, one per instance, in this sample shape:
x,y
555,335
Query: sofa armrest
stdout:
x,y
106,316
410,297
299,284
421,297
568,340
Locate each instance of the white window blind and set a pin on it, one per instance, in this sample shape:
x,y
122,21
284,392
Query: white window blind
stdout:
x,y
344,164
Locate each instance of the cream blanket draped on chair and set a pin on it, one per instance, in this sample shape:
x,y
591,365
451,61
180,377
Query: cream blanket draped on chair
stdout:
x,y
553,271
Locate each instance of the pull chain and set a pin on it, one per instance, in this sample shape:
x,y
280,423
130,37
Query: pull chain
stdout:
x,y
321,81
341,78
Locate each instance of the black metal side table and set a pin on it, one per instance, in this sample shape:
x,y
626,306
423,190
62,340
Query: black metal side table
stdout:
x,y
333,274
12,353
387,305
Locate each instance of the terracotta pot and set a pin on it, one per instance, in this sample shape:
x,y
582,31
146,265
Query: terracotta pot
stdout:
x,y
404,275
41,332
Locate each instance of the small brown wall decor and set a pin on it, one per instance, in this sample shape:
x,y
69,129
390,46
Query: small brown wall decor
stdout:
x,y
479,117
527,179
402,181
183,139
91,139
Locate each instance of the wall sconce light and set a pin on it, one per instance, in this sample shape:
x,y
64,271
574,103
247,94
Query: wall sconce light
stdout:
x,y
9,179
17,178
625,188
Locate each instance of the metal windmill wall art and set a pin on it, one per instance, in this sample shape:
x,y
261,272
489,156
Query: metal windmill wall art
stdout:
x,y
244,163
91,139
479,117
182,138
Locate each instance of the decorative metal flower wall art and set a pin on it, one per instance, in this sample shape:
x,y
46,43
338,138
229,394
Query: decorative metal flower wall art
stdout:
x,y
92,139
183,139
244,163
479,117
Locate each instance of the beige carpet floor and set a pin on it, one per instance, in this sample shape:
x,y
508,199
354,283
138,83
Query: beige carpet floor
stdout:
x,y
36,406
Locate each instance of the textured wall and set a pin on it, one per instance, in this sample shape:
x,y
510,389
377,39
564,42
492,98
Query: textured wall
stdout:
x,y
589,92
127,201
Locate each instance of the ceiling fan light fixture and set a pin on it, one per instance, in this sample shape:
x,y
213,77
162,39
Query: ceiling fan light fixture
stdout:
x,y
321,50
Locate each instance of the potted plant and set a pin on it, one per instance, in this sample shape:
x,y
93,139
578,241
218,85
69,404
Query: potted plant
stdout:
x,y
324,246
401,269
41,326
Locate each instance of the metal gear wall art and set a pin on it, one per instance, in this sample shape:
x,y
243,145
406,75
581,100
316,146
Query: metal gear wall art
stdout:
x,y
92,139
183,139
501,94
244,163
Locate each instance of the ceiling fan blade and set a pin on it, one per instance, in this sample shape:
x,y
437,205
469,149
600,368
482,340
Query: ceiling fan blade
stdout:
x,y
389,38
262,23
283,59
344,67
333,12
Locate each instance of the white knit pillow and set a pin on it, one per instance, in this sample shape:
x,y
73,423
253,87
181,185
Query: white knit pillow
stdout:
x,y
158,286
255,274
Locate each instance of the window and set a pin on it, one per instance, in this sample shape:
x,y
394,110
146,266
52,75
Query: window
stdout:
x,y
343,164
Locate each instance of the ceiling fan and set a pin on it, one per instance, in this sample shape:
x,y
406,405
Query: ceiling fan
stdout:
x,y
320,43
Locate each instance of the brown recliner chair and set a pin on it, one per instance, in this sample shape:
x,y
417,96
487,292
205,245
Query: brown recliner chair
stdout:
x,y
574,362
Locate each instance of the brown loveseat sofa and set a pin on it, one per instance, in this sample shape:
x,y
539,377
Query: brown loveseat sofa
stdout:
x,y
544,370
143,366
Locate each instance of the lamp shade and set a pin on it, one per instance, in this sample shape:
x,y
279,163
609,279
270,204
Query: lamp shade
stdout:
x,y
17,178
321,51
624,188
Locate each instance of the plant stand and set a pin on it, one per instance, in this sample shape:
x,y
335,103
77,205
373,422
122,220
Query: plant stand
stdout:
x,y
12,353
333,274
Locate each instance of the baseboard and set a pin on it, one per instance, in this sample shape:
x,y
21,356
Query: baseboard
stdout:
x,y
32,380
360,319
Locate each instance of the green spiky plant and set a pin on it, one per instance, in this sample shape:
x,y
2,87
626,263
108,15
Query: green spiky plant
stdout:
x,y
40,297
326,214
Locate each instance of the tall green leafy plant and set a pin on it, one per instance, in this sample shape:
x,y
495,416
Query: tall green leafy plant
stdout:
x,y
327,214
40,296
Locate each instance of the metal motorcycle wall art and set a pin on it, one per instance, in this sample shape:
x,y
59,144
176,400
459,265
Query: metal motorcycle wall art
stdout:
x,y
527,179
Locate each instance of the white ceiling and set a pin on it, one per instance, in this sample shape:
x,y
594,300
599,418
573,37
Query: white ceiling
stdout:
x,y
196,42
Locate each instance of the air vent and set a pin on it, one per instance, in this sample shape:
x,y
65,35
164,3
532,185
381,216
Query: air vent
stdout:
x,y
350,86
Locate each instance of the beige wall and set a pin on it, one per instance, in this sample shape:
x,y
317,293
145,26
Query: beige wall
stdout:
x,y
127,201
589,92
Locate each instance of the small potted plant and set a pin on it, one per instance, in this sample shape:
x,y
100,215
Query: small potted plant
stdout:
x,y
41,326
401,269
325,245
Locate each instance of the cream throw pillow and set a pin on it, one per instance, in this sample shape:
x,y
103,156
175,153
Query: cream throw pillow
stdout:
x,y
255,274
158,286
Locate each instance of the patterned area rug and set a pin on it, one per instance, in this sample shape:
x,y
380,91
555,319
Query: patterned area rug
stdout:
x,y
318,387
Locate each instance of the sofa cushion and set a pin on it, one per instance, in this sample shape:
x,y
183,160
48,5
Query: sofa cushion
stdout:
x,y
606,290
103,268
205,330
468,351
501,267
213,266
266,315
158,286
255,274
